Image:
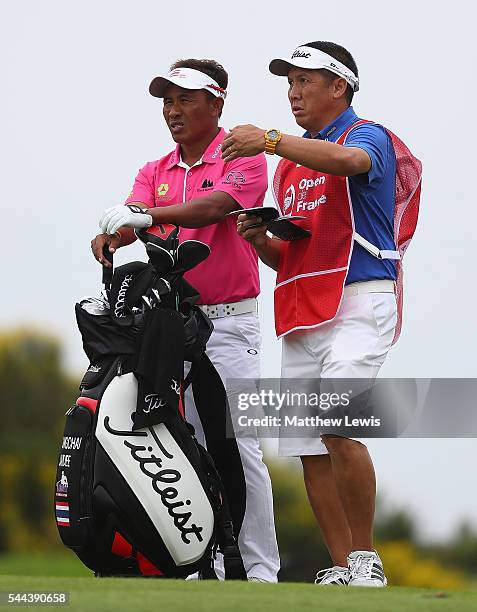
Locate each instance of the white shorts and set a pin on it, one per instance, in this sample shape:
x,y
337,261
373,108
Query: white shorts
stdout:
x,y
353,345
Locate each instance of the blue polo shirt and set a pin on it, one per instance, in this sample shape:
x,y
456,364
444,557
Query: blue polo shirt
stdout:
x,y
372,195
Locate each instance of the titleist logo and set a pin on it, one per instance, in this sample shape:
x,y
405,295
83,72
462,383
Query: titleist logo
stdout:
x,y
153,401
162,480
119,306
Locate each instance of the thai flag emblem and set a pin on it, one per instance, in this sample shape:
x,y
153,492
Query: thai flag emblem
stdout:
x,y
63,513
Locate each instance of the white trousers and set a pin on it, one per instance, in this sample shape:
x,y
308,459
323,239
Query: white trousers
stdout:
x,y
353,345
234,349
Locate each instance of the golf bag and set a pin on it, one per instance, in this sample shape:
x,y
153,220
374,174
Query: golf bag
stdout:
x,y
136,494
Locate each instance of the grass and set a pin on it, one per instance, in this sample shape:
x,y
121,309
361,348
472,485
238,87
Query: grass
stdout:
x,y
65,573
59,564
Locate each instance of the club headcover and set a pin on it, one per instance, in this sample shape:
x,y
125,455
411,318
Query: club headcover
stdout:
x,y
190,254
163,235
130,282
161,258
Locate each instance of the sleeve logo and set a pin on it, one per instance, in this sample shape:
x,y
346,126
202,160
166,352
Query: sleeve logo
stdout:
x,y
236,179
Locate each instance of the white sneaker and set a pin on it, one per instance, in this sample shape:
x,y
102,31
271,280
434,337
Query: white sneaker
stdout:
x,y
366,569
256,579
333,575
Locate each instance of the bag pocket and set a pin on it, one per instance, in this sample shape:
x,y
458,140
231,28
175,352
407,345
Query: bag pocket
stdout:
x,y
73,488
96,372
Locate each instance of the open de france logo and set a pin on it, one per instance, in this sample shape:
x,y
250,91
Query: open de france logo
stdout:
x,y
289,199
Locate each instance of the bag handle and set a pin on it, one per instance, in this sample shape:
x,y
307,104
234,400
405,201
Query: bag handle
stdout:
x,y
107,272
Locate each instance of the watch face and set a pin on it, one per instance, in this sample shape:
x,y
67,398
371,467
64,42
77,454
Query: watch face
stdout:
x,y
272,134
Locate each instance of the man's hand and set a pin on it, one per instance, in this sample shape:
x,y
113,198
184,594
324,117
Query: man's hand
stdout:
x,y
268,249
243,141
99,242
257,236
119,216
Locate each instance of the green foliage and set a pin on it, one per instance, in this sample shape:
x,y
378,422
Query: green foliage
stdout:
x,y
26,505
35,392
405,565
302,551
395,524
460,551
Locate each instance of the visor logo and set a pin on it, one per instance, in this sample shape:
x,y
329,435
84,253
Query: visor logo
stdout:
x,y
298,53
178,74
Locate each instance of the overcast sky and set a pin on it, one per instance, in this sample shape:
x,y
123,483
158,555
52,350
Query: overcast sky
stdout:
x,y
77,123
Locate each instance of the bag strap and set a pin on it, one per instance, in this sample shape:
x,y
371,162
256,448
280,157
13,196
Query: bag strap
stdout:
x,y
214,413
191,374
233,562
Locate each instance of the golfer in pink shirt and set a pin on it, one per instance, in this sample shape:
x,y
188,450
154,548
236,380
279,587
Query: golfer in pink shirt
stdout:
x,y
194,188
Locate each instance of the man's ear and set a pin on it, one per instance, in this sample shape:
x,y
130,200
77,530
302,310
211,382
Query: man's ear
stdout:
x,y
217,104
340,86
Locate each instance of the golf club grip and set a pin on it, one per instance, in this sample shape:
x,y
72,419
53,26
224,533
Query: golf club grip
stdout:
x,y
107,272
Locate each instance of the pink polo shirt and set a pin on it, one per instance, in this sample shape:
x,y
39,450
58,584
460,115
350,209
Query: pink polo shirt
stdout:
x,y
230,273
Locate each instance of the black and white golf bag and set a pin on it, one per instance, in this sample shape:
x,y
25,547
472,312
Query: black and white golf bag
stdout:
x,y
135,492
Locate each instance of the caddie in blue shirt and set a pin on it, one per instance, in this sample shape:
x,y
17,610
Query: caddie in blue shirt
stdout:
x,y
372,195
335,297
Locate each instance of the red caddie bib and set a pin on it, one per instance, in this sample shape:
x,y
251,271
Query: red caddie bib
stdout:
x,y
312,272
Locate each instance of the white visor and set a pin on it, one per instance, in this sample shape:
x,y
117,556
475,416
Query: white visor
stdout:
x,y
188,78
313,59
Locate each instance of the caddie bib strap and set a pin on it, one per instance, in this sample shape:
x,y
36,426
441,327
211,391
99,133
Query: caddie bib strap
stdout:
x,y
374,250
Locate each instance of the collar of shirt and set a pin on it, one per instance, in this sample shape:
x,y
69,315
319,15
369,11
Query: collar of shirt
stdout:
x,y
210,156
334,130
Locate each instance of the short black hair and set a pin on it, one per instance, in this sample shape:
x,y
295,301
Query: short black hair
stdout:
x,y
342,55
215,70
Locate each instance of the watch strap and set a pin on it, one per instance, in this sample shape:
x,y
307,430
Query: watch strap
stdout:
x,y
271,145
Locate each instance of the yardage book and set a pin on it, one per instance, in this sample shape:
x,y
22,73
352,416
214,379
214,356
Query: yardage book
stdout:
x,y
278,225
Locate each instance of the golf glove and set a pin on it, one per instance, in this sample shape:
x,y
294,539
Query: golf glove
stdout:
x,y
119,216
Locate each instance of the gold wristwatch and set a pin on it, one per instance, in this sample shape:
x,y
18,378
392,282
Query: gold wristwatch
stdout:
x,y
272,138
